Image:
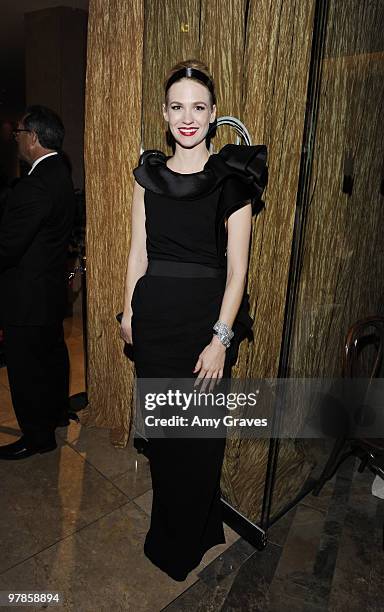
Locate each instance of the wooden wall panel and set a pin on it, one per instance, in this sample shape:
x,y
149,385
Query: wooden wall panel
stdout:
x,y
113,116
222,41
342,275
274,89
193,29
171,35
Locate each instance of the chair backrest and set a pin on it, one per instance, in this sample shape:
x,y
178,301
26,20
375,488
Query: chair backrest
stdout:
x,y
364,339
367,332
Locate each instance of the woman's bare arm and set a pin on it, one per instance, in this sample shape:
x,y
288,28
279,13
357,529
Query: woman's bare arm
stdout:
x,y
137,259
239,227
211,360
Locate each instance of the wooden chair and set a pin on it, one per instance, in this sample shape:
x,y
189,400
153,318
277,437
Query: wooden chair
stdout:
x,y
370,451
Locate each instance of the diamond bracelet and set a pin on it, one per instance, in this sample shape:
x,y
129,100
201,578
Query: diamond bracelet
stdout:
x,y
223,332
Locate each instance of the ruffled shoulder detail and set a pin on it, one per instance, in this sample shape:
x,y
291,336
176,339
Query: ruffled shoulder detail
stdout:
x,y
242,167
246,172
154,174
250,160
147,171
150,153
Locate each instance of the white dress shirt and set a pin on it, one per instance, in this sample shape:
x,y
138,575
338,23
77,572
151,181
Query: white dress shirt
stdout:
x,y
38,160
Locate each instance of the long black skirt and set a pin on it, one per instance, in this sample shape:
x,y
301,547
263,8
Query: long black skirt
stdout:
x,y
171,324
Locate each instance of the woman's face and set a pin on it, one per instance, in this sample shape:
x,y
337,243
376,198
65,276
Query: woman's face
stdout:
x,y
189,112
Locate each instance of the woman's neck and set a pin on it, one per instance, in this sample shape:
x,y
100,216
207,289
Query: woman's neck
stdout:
x,y
188,160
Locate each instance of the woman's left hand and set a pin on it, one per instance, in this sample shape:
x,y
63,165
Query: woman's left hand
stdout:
x,y
210,363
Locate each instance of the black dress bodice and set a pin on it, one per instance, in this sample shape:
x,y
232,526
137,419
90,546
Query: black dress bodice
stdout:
x,y
185,213
231,177
182,230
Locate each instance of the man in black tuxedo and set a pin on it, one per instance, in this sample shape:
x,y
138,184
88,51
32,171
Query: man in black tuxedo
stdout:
x,y
34,236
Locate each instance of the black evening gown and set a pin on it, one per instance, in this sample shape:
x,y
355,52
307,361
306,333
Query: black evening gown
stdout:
x,y
172,322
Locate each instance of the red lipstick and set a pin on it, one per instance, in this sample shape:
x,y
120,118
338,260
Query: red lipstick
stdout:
x,y
188,131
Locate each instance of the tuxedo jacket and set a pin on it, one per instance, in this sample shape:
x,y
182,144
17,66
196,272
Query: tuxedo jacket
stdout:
x,y
34,235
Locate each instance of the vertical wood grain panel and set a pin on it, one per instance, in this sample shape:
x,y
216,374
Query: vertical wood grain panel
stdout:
x,y
274,89
171,35
276,72
112,139
342,265
222,41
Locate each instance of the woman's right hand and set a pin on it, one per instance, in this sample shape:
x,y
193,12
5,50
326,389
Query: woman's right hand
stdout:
x,y
126,328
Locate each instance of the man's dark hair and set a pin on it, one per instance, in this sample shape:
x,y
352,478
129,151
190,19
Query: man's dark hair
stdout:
x,y
47,125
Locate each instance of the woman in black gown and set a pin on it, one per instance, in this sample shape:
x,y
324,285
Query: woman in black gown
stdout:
x,y
187,269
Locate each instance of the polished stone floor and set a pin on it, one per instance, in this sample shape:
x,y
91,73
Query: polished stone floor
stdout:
x,y
74,521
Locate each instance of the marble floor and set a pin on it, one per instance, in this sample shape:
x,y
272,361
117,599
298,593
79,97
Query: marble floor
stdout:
x,y
74,520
